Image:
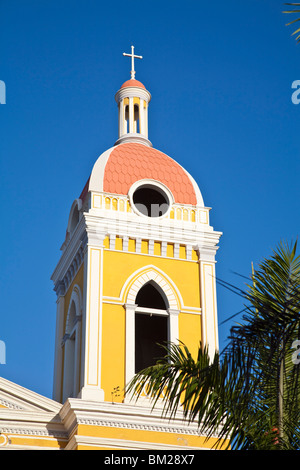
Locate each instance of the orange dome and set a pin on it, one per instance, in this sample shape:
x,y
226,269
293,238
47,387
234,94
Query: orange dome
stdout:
x,y
131,162
133,82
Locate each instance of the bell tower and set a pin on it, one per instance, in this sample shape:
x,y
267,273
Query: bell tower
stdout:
x,y
136,270
133,100
137,266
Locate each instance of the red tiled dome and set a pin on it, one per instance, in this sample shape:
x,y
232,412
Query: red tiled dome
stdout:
x,y
131,162
133,82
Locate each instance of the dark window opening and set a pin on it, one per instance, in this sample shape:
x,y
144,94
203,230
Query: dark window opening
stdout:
x,y
136,118
148,296
151,331
150,201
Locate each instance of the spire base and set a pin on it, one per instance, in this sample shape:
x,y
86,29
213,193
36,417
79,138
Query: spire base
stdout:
x,y
133,137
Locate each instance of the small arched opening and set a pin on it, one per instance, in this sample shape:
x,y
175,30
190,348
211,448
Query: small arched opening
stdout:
x,y
136,118
151,326
71,344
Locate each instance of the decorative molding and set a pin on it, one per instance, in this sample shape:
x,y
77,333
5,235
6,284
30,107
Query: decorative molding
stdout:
x,y
151,272
25,400
10,405
159,427
148,275
117,204
34,431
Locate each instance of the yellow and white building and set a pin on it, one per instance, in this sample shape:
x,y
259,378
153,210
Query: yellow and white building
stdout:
x,y
137,268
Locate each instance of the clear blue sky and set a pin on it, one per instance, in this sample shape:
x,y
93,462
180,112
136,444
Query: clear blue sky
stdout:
x,y
220,75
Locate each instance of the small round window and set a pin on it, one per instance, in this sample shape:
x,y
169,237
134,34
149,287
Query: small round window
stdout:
x,y
151,200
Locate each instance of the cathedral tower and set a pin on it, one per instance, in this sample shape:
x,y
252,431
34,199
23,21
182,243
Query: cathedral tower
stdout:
x,y
137,266
137,269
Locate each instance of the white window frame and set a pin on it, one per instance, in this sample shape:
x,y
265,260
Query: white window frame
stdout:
x,y
160,187
131,309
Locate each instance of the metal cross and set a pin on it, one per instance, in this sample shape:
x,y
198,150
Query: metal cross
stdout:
x,y
132,72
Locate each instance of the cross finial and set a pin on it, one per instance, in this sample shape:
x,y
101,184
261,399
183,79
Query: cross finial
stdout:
x,y
132,72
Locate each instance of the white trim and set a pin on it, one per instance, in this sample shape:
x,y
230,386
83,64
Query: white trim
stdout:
x,y
151,311
148,276
133,92
76,297
209,306
155,271
118,301
200,202
97,174
22,398
92,341
77,204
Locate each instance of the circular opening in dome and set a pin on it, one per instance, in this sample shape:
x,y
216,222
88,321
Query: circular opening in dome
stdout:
x,y
151,200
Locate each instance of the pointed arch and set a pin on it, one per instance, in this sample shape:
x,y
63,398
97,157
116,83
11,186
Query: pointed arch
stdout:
x,y
172,300
157,276
75,308
74,216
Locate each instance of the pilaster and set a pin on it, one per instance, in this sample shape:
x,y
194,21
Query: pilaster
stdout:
x,y
208,298
58,354
92,314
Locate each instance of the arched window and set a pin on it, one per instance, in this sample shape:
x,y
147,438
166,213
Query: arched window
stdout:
x,y
74,216
152,311
74,219
71,345
151,326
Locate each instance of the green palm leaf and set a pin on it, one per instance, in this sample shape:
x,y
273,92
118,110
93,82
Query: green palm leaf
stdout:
x,y
249,395
294,21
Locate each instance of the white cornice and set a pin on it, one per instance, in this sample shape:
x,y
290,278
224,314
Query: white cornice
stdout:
x,y
70,252
95,225
122,416
166,230
20,398
133,92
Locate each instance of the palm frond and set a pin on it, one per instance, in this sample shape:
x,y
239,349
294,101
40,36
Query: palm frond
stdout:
x,y
294,21
250,395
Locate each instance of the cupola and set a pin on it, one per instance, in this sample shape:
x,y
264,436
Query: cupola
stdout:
x,y
133,100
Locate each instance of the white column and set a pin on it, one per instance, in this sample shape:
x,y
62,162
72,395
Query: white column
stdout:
x,y
209,301
130,342
142,117
58,358
91,389
121,118
146,120
173,325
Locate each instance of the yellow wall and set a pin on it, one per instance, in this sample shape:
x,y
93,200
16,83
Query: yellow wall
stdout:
x,y
178,440
113,351
117,268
